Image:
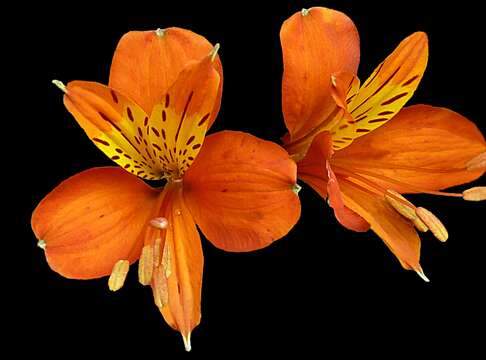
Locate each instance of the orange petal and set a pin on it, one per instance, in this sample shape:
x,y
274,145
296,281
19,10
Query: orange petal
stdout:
x,y
424,146
314,169
115,124
177,280
397,232
178,124
316,44
239,190
147,63
92,220
386,91
346,217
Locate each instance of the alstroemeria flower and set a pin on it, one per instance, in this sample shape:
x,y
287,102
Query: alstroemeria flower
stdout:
x,y
163,95
347,148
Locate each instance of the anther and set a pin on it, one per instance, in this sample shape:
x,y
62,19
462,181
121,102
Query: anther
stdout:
x,y
60,85
305,12
118,275
159,223
407,212
166,266
296,188
160,32
477,193
433,223
214,52
476,163
160,290
42,244
146,265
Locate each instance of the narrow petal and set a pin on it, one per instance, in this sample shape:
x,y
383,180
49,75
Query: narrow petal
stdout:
x,y
346,217
386,91
316,44
179,123
92,220
177,280
397,232
147,63
240,191
424,146
115,124
315,170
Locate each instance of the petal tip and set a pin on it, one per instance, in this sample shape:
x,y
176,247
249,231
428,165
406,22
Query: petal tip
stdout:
x,y
187,341
420,273
214,51
60,85
305,11
41,244
160,32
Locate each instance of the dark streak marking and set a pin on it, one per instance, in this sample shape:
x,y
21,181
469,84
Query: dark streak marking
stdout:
x,y
129,113
190,140
128,156
203,120
197,146
376,74
377,120
113,95
183,115
362,130
157,147
116,157
395,98
155,131
386,113
126,166
106,143
164,116
343,127
119,151
411,80
167,100
163,134
145,121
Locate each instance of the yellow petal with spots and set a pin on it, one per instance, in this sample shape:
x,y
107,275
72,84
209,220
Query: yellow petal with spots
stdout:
x,y
178,125
384,93
116,125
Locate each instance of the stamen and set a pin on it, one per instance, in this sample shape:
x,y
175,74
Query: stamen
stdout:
x,y
159,223
160,32
407,211
420,273
146,265
296,188
60,85
476,163
433,223
305,12
160,290
187,341
214,52
157,251
477,193
118,275
166,261
42,244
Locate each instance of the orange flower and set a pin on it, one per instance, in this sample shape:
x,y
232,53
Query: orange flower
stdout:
x,y
164,93
347,149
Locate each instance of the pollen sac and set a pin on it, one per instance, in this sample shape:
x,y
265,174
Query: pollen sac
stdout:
x,y
159,288
146,265
476,163
159,223
118,275
433,223
407,211
475,194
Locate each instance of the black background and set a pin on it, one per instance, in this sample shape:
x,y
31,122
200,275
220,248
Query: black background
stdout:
x,y
321,288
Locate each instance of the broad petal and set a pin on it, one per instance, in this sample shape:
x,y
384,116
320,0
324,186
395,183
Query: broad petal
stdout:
x,y
178,124
92,220
396,232
147,63
424,146
177,282
240,191
386,91
115,124
315,45
315,170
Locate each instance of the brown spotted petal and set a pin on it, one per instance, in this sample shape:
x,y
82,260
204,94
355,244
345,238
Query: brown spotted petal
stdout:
x,y
115,124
